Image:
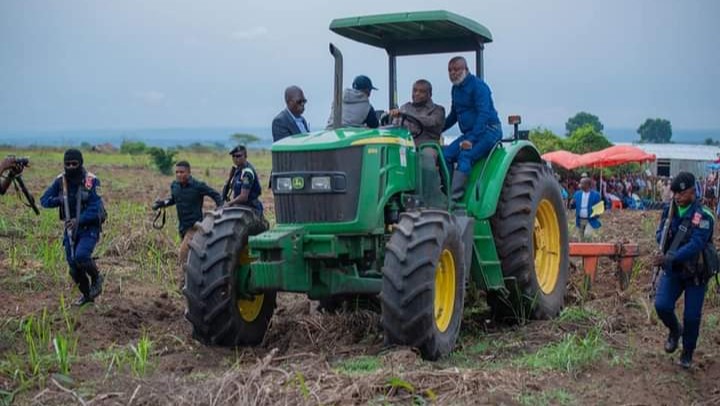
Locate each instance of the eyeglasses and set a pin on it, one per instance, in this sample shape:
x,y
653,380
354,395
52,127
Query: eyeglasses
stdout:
x,y
72,164
301,101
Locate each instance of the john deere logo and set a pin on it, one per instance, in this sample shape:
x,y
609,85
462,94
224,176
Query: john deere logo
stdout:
x,y
298,182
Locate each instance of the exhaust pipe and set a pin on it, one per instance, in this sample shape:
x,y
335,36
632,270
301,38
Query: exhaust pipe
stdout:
x,y
337,90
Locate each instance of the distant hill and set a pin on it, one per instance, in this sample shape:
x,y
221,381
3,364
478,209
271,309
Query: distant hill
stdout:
x,y
679,136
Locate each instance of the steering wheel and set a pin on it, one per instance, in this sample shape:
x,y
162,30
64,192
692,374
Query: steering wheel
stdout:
x,y
416,127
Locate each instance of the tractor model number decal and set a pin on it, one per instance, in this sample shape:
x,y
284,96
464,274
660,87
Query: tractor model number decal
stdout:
x,y
403,156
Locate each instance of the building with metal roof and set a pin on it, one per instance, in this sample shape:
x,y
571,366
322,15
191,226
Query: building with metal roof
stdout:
x,y
672,159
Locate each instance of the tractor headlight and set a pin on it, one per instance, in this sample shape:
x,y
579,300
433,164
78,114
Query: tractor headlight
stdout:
x,y
321,183
283,184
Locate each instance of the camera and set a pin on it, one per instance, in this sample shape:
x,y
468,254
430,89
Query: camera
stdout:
x,y
22,161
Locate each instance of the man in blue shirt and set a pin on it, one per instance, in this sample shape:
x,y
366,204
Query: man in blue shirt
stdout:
x,y
473,110
583,201
680,266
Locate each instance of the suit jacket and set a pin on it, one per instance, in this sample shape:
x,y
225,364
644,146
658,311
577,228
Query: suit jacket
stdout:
x,y
284,126
593,199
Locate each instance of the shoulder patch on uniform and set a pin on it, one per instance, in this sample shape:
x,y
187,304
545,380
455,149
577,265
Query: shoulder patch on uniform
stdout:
x,y
704,224
696,218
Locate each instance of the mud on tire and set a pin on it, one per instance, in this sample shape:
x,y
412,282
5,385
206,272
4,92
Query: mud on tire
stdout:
x,y
219,314
423,286
531,236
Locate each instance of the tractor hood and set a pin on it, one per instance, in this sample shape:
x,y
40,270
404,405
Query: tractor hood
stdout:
x,y
343,138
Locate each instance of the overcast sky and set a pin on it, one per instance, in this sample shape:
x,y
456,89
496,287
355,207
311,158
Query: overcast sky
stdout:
x,y
175,63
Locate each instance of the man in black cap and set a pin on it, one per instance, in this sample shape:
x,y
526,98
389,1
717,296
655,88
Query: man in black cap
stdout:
x,y
356,108
187,194
691,229
243,182
76,192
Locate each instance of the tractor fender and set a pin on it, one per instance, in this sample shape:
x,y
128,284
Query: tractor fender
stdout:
x,y
466,225
488,175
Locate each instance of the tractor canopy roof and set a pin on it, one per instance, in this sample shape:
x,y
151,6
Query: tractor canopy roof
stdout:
x,y
414,33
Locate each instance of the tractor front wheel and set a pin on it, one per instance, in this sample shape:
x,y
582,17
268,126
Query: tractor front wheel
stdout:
x,y
423,288
531,236
221,314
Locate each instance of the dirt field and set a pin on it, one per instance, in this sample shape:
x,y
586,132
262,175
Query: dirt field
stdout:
x,y
134,346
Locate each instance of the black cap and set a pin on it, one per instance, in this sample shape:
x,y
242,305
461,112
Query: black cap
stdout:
x,y
683,181
239,148
73,154
363,82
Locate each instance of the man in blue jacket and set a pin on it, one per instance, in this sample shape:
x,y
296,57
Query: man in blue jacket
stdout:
x,y
583,201
82,223
474,112
692,226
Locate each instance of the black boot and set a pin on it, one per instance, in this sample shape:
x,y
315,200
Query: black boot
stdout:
x,y
83,300
97,286
458,185
686,359
671,344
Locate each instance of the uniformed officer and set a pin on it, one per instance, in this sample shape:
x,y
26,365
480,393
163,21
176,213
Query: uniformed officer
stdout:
x,y
78,190
691,225
244,183
187,194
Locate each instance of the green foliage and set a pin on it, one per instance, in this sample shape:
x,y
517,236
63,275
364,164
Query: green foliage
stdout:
x,y
361,365
711,141
655,130
141,356
575,314
586,139
244,139
570,355
546,398
582,119
133,147
163,159
545,140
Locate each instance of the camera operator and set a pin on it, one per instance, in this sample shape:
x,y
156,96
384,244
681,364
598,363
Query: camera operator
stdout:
x,y
13,168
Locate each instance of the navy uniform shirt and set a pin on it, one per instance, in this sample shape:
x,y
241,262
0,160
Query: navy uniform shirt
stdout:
x,y
91,206
702,223
246,178
188,200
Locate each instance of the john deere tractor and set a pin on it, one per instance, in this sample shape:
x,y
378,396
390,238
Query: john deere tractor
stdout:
x,y
366,214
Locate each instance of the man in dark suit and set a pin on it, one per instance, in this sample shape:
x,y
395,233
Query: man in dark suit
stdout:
x,y
290,121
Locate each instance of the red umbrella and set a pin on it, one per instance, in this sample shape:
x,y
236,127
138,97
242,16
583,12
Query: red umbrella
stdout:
x,y
615,155
566,159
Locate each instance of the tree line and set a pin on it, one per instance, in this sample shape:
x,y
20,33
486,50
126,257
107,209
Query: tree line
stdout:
x,y
584,133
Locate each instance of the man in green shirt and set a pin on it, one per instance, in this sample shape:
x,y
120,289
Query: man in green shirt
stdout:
x,y
187,194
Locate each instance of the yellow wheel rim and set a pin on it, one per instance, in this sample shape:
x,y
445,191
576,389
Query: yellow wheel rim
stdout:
x,y
249,309
546,242
444,290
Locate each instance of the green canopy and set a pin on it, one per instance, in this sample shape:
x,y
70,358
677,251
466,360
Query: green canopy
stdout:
x,y
422,32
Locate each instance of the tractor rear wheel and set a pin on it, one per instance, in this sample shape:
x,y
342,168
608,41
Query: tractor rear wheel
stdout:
x,y
423,288
219,313
531,236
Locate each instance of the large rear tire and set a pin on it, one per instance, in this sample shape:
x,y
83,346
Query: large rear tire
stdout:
x,y
423,288
531,236
219,313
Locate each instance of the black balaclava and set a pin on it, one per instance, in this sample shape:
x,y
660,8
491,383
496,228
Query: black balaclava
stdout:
x,y
74,175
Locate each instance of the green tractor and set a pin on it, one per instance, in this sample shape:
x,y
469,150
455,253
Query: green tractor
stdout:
x,y
362,216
